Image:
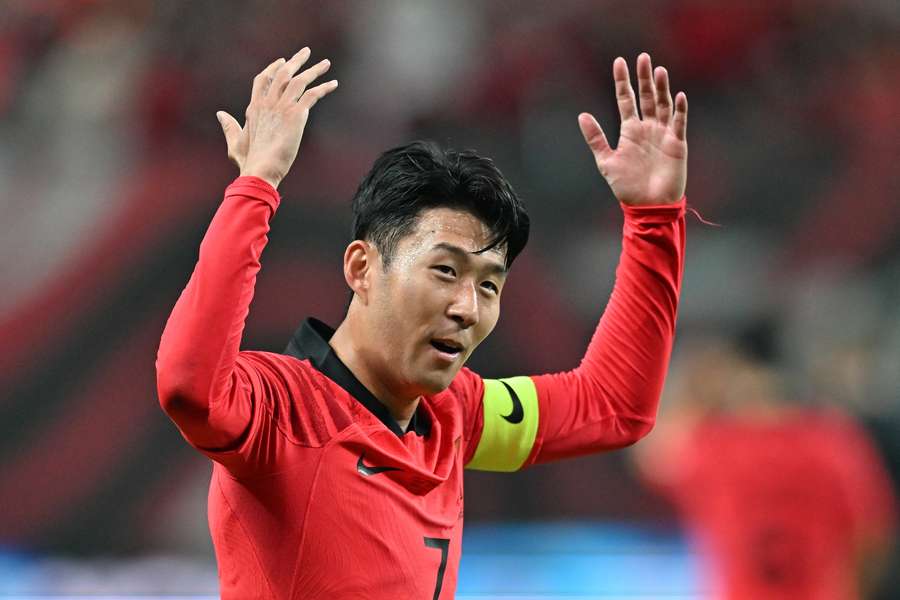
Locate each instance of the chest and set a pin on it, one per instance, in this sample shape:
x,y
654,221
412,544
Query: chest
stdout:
x,y
384,482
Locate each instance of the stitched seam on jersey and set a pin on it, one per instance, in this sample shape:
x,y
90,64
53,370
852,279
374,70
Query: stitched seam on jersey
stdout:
x,y
243,273
287,434
249,539
606,418
288,439
542,423
622,414
258,476
312,491
222,353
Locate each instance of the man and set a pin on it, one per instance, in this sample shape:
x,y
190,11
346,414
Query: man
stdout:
x,y
787,500
338,466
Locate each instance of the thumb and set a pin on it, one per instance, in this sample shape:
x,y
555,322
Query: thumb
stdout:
x,y
231,129
593,134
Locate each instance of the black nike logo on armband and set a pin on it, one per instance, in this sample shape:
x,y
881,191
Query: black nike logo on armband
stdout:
x,y
367,470
518,413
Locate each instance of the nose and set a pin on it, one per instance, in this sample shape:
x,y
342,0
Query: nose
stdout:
x,y
464,307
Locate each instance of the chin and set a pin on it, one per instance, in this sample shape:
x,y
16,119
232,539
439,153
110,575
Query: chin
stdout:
x,y
434,383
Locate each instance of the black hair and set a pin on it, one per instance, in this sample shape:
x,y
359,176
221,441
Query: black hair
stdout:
x,y
408,179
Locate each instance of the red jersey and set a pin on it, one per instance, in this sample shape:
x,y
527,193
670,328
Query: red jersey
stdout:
x,y
316,491
783,507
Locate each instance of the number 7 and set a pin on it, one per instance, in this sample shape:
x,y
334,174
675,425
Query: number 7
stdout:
x,y
444,545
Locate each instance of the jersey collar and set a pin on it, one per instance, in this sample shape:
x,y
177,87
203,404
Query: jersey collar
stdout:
x,y
310,342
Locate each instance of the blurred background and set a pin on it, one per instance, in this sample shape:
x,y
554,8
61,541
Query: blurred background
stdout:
x,y
112,164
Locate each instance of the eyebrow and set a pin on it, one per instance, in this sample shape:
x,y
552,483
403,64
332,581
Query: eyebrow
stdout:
x,y
492,267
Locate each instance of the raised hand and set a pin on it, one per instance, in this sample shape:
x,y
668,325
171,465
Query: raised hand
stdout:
x,y
649,164
267,144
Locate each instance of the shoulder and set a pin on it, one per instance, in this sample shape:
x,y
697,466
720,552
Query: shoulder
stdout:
x,y
307,407
275,369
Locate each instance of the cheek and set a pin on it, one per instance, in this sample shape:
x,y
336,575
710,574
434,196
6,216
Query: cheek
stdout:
x,y
488,319
422,295
408,304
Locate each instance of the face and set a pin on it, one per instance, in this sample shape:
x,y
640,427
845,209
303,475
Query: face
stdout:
x,y
435,302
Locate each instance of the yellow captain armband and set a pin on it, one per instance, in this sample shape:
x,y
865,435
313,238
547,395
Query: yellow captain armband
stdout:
x,y
510,424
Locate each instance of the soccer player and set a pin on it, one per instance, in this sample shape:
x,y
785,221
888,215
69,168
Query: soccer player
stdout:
x,y
787,501
338,465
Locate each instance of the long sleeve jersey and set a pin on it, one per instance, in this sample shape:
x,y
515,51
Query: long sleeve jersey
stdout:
x,y
316,492
785,507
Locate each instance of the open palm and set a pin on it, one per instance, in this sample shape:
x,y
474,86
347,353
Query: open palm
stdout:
x,y
266,146
649,165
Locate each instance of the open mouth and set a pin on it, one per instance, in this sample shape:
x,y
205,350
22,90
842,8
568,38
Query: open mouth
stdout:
x,y
447,346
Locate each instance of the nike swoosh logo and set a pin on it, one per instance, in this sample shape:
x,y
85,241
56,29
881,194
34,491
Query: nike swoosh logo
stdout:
x,y
367,470
518,413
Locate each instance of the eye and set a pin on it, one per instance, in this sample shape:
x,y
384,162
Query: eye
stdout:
x,y
490,286
445,269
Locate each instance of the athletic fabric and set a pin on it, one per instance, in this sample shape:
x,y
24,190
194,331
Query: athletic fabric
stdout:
x,y
315,491
785,508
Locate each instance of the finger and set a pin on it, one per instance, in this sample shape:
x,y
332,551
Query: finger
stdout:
x,y
314,94
624,92
263,79
284,74
232,131
663,95
681,109
298,84
646,89
593,134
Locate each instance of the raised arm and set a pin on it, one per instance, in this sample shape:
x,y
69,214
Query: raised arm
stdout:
x,y
610,399
202,385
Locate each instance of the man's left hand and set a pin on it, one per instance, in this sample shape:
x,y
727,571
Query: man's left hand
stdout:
x,y
649,164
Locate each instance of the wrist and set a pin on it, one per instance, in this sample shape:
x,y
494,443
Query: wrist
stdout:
x,y
254,187
264,174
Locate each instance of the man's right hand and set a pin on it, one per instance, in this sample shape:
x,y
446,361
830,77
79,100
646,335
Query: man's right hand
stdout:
x,y
279,106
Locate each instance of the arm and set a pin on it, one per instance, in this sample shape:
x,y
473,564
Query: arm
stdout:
x,y
610,399
202,384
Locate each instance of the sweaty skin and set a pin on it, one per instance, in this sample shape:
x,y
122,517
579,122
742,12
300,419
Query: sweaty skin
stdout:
x,y
436,286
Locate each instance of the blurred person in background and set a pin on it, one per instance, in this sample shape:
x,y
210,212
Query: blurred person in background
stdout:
x,y
338,465
784,500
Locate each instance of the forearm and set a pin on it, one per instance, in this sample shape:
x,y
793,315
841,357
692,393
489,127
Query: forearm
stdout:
x,y
611,399
201,340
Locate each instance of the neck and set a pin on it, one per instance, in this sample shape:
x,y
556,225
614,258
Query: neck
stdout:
x,y
400,406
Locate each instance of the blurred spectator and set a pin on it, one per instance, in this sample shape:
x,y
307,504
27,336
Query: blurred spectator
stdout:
x,y
786,501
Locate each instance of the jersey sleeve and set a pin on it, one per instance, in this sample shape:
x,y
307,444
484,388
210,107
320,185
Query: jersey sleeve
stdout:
x,y
226,403
610,400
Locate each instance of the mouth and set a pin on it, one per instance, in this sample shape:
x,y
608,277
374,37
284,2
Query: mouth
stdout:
x,y
449,349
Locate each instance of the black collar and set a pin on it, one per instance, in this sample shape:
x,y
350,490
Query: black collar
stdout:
x,y
310,342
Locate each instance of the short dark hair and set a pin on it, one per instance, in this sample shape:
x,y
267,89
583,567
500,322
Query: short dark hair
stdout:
x,y
408,179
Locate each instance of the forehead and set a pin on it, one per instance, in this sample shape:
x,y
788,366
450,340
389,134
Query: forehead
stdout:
x,y
450,226
447,224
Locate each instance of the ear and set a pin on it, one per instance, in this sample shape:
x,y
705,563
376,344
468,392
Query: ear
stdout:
x,y
359,260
